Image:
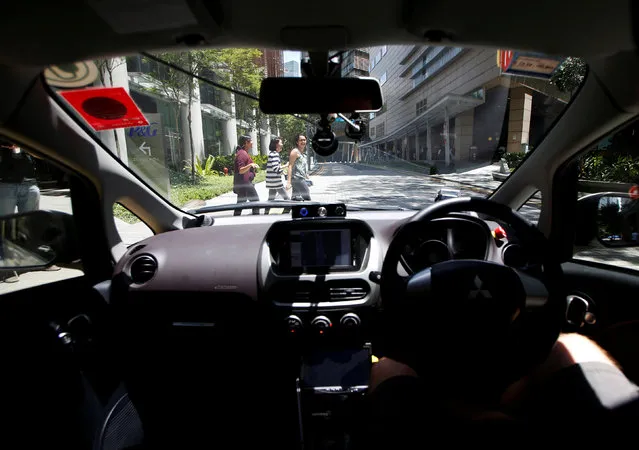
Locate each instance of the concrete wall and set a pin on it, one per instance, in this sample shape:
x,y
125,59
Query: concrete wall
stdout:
x,y
470,70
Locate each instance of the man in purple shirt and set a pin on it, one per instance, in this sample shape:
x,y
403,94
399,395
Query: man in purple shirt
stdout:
x,y
243,174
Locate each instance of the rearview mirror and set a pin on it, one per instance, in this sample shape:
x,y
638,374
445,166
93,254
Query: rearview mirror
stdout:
x,y
37,239
618,220
320,95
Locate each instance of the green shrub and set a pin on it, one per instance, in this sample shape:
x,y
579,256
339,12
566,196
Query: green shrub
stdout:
x,y
183,191
124,214
598,166
205,189
514,159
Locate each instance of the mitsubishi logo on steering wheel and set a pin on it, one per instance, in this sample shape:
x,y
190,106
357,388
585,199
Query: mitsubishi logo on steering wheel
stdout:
x,y
479,292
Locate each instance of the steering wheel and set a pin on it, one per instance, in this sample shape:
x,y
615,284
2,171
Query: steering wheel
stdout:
x,y
469,314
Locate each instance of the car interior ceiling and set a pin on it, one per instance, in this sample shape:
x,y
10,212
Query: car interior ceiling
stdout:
x,y
206,351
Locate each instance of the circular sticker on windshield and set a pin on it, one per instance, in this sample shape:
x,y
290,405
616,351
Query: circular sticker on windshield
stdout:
x,y
73,75
104,108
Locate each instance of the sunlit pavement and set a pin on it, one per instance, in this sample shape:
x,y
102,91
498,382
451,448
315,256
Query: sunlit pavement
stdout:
x,y
38,278
371,187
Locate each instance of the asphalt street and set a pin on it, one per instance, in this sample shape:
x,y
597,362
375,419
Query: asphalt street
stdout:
x,y
372,187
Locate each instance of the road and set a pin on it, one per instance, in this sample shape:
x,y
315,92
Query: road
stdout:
x,y
372,187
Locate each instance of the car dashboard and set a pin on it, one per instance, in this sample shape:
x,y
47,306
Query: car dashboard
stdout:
x,y
313,275
288,306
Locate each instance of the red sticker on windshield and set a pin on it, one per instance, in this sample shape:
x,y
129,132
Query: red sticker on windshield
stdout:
x,y
106,108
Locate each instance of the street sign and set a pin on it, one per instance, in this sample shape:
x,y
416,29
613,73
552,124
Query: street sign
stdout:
x,y
105,108
147,152
528,64
145,149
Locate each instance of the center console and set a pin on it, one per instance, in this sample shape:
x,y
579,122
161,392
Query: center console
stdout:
x,y
316,275
329,391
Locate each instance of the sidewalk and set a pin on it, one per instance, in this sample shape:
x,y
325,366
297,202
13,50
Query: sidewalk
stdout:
x,y
481,177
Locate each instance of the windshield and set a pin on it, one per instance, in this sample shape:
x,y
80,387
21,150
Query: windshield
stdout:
x,y
455,122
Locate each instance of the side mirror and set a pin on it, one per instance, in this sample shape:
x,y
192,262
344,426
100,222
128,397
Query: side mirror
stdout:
x,y
37,239
618,220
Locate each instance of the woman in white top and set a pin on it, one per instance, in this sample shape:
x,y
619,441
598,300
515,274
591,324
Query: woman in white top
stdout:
x,y
297,175
274,172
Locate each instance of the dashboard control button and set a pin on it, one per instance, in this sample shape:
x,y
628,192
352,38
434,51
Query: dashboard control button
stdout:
x,y
340,211
375,277
321,324
294,324
350,320
321,211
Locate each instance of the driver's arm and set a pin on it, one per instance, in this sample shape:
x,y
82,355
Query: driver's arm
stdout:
x,y
578,380
577,393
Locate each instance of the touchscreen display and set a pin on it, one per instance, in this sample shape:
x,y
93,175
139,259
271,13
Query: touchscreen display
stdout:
x,y
346,368
321,248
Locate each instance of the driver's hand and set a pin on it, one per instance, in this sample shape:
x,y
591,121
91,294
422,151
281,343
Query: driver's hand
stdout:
x,y
387,368
288,187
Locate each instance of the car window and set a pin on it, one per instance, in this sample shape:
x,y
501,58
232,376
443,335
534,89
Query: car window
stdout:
x,y
608,189
130,228
450,116
30,183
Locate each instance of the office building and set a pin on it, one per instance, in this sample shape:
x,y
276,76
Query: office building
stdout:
x,y
452,104
291,69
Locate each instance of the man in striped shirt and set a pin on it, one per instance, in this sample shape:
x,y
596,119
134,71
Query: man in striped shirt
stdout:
x,y
274,172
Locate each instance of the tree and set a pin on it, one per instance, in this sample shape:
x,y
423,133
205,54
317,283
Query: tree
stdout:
x,y
289,127
180,87
569,75
240,70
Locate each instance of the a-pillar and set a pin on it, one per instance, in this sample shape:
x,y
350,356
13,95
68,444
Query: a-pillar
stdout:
x,y
265,136
197,131
114,74
464,134
230,130
519,118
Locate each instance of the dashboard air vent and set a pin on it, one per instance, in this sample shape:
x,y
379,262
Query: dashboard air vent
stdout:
x,y
345,290
340,294
143,268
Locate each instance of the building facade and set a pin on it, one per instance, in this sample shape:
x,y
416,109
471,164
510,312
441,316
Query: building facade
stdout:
x,y
355,63
213,125
451,104
292,69
273,62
